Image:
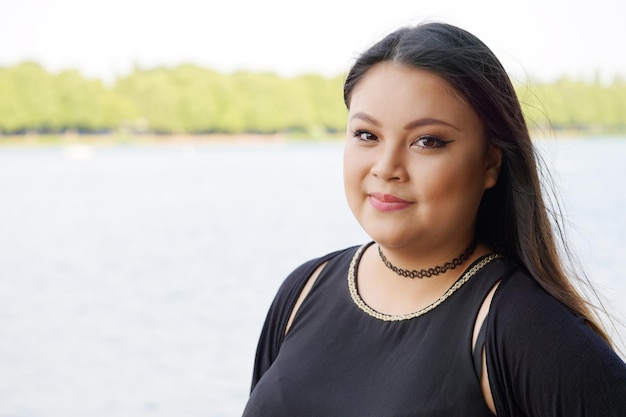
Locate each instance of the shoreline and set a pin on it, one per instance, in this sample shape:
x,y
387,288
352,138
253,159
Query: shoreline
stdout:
x,y
114,139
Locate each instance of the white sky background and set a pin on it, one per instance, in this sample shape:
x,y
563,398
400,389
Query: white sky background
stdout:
x,y
105,38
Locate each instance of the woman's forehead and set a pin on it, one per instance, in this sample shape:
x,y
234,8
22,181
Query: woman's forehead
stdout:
x,y
390,88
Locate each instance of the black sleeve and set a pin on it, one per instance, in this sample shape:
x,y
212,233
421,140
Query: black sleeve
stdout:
x,y
277,317
542,360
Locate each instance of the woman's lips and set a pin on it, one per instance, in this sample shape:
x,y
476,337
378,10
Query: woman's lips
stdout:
x,y
387,202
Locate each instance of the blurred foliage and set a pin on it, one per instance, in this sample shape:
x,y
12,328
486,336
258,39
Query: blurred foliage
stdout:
x,y
31,99
189,99
585,107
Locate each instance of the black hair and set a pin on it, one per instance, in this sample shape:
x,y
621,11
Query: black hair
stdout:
x,y
512,218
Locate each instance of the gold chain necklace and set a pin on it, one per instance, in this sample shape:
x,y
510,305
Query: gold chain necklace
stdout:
x,y
356,297
429,272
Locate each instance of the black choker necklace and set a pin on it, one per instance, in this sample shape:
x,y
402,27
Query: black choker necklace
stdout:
x,y
427,273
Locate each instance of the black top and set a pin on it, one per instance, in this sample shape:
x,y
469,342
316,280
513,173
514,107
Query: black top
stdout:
x,y
342,359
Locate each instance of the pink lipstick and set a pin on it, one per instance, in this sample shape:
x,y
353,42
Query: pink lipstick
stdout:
x,y
387,202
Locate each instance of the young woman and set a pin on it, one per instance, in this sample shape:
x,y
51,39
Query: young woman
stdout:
x,y
460,306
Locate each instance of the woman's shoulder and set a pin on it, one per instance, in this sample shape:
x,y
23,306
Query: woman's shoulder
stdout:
x,y
294,282
547,357
526,319
521,304
521,297
281,309
528,322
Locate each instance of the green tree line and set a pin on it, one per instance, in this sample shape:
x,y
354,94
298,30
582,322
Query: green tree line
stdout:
x,y
189,99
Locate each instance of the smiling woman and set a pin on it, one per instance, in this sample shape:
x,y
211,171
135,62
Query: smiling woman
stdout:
x,y
423,152
439,170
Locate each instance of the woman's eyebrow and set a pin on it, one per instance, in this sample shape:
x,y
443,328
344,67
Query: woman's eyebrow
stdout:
x,y
426,121
365,117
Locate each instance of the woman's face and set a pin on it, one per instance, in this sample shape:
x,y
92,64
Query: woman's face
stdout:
x,y
416,161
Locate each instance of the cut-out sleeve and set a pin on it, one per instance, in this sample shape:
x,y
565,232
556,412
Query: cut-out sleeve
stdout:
x,y
277,317
542,360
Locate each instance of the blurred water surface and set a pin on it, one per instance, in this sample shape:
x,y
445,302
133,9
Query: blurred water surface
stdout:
x,y
134,280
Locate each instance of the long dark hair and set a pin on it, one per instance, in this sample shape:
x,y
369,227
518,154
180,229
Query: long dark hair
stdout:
x,y
513,218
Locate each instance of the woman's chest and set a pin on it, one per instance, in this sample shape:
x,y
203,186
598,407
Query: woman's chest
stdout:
x,y
339,366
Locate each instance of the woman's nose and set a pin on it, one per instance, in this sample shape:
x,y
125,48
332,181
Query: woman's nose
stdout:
x,y
389,164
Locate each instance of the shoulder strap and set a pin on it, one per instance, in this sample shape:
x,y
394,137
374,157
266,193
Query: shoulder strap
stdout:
x,y
504,269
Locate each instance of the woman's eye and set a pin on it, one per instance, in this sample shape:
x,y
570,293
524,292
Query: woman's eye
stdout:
x,y
364,136
430,142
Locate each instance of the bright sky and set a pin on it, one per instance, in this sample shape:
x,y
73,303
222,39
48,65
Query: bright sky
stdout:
x,y
105,38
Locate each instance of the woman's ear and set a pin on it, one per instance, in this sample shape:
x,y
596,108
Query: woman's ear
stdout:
x,y
493,162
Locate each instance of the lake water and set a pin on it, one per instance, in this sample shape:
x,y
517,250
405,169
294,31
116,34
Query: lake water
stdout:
x,y
134,280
